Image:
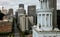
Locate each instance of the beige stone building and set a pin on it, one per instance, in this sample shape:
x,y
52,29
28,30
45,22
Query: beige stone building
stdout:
x,y
21,10
26,22
22,23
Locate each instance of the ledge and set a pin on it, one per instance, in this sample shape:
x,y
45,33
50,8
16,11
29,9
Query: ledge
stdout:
x,y
44,31
44,10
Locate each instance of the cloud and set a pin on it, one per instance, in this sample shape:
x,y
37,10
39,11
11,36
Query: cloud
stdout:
x,y
14,3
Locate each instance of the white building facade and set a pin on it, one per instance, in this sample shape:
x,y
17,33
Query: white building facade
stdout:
x,y
44,26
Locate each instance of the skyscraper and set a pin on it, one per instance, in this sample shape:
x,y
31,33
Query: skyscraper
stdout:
x,y
32,12
10,15
10,12
54,12
22,23
25,23
21,5
21,9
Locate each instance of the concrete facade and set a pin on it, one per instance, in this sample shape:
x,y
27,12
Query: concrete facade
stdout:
x,y
21,11
53,4
20,17
21,5
10,15
26,22
54,13
22,23
46,20
31,20
10,12
32,12
46,33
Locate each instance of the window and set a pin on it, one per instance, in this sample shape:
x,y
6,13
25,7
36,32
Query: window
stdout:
x,y
50,20
39,25
43,14
47,14
49,36
54,36
39,14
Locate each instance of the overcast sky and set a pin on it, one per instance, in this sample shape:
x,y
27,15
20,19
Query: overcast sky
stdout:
x,y
14,3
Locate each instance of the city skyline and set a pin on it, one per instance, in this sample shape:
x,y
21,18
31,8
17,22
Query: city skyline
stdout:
x,y
14,3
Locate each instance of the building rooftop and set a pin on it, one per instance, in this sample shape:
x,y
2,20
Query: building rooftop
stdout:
x,y
5,27
38,30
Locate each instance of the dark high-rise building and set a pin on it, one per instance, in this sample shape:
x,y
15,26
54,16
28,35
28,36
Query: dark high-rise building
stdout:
x,y
10,15
58,18
10,12
32,12
54,3
21,10
21,5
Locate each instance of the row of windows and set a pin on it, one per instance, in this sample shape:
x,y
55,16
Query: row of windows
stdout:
x,y
44,14
48,24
